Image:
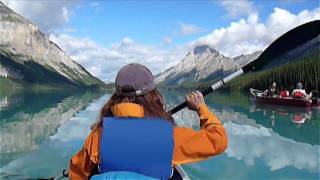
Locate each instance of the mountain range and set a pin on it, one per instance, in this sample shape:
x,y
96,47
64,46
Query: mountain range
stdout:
x,y
204,65
27,55
201,64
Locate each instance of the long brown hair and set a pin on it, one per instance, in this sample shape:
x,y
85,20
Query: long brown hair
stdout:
x,y
152,103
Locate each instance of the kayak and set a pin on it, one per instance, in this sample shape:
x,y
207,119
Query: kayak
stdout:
x,y
287,101
178,174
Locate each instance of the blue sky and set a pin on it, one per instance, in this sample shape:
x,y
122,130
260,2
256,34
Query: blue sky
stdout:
x,y
105,35
150,21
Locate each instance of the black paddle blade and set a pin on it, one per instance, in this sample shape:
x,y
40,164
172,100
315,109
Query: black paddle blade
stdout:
x,y
288,41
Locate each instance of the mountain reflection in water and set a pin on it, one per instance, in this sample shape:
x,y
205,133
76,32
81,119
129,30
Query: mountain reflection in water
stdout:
x,y
264,141
28,118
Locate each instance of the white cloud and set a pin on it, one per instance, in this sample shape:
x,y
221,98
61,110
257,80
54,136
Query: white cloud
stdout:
x,y
188,29
167,40
48,15
250,34
97,7
238,8
104,62
249,144
126,41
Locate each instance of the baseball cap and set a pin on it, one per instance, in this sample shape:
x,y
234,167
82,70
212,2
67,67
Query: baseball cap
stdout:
x,y
133,80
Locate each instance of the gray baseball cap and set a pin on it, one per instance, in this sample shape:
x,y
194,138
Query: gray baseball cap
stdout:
x,y
133,80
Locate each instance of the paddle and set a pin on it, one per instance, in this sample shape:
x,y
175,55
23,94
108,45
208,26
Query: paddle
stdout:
x,y
268,58
296,37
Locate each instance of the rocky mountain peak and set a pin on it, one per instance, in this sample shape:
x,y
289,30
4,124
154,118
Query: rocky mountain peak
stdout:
x,y
26,54
244,59
199,64
2,4
7,14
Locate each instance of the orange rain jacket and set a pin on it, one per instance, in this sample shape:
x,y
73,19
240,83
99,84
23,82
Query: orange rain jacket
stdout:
x,y
189,145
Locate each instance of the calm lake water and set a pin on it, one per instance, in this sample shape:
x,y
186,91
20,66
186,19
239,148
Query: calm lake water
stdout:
x,y
40,131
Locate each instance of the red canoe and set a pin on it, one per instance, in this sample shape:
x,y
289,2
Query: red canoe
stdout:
x,y
288,101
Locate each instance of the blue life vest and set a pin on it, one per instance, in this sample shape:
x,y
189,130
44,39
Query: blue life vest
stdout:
x,y
140,145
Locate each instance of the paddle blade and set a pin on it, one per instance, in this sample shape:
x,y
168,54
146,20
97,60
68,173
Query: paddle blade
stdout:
x,y
288,41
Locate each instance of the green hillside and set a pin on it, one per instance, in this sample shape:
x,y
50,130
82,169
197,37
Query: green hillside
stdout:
x,y
305,70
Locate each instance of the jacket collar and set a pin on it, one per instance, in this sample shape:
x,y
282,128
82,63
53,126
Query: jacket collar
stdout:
x,y
127,110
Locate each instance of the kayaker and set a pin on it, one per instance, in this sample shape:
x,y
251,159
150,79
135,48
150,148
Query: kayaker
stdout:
x,y
136,99
272,91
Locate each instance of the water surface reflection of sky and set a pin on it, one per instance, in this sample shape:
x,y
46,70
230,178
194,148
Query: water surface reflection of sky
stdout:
x,y
258,147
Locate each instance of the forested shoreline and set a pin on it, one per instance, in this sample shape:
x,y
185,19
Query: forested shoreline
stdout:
x,y
306,71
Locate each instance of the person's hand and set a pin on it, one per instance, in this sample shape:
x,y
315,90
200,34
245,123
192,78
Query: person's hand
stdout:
x,y
194,99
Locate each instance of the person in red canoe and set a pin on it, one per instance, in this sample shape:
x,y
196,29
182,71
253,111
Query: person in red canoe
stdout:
x,y
272,91
284,93
300,93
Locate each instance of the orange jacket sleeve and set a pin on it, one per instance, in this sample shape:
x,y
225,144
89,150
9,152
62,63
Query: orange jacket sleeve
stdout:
x,y
191,146
82,164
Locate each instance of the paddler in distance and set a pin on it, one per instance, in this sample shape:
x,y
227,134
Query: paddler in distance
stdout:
x,y
135,137
301,93
272,91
